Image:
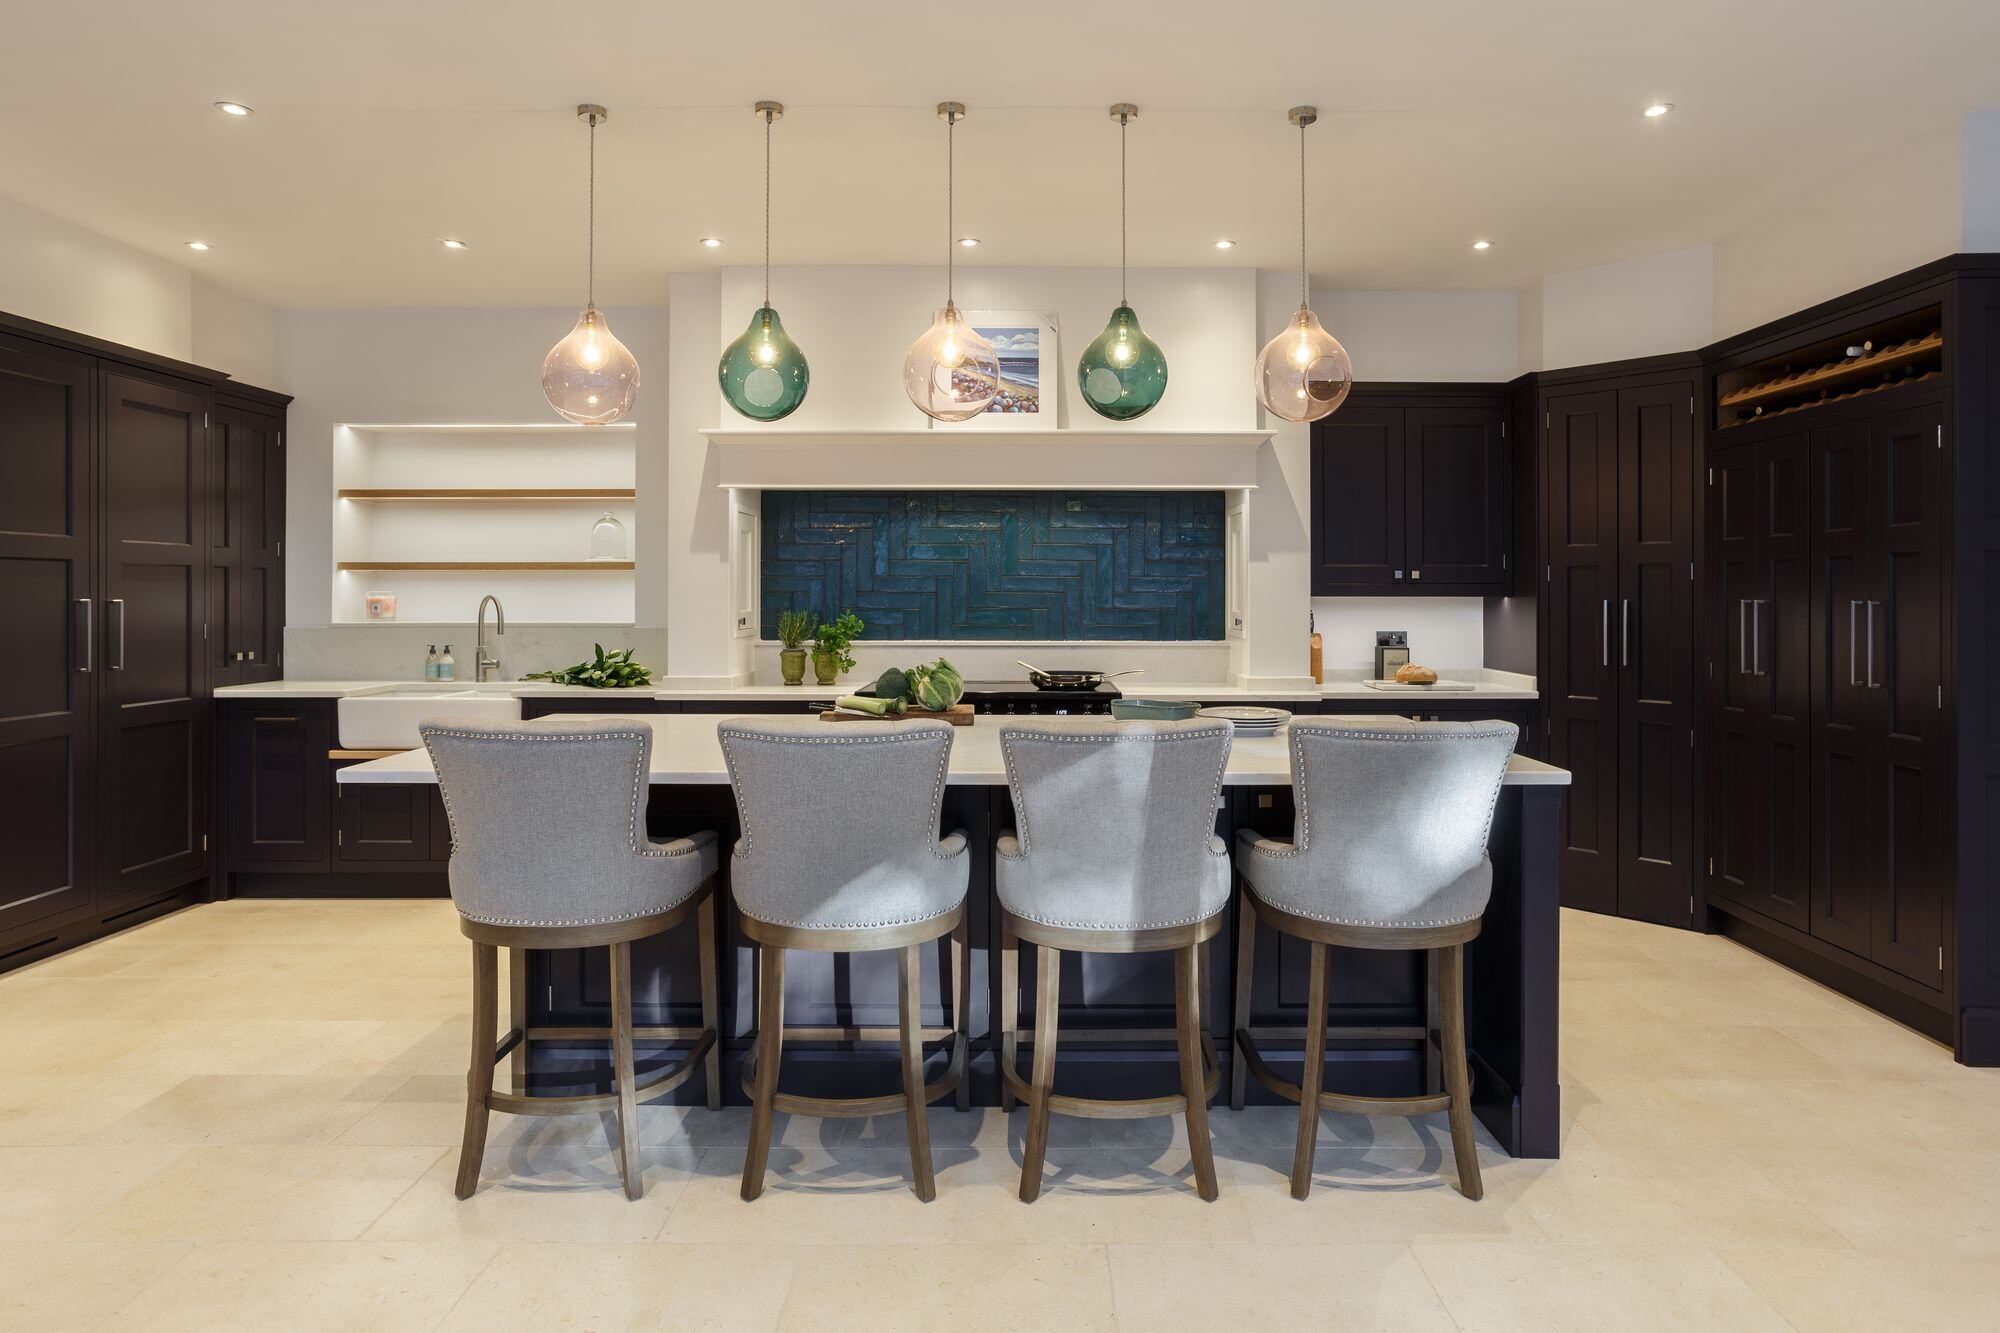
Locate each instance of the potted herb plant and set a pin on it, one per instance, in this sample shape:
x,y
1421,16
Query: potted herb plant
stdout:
x,y
830,644
793,628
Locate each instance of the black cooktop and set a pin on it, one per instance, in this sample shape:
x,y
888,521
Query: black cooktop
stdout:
x,y
1019,697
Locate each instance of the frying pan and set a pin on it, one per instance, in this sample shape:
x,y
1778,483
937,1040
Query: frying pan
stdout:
x,y
1071,680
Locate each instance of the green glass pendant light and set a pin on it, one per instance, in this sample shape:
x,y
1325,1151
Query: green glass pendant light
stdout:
x,y
1122,373
763,373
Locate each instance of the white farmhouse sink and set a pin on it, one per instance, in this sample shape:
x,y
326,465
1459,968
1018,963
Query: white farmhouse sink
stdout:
x,y
387,719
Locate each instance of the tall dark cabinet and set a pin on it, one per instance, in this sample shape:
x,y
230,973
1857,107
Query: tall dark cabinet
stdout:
x,y
107,502
1619,638
246,595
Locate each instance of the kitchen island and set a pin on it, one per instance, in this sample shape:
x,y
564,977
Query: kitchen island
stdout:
x,y
1511,967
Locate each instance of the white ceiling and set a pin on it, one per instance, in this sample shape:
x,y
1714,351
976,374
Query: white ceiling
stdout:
x,y
383,126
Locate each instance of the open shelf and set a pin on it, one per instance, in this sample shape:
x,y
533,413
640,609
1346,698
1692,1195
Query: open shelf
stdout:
x,y
497,495
609,566
1908,349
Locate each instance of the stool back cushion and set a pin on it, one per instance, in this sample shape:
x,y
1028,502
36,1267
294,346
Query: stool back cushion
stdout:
x,y
1115,822
840,822
547,818
1392,821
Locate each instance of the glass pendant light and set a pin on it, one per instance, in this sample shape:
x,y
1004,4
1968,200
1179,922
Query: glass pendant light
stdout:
x,y
1303,373
763,373
1123,373
951,373
589,376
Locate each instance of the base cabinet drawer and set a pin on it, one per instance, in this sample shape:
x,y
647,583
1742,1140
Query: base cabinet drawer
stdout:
x,y
376,824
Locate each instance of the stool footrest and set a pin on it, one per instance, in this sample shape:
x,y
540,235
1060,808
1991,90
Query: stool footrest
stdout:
x,y
1335,1101
837,1108
1120,1108
665,1080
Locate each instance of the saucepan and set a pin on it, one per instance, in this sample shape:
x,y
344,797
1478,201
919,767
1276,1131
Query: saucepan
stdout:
x,y
1071,680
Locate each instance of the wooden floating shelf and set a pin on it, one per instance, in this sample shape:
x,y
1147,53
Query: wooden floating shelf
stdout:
x,y
530,494
1861,392
1888,358
452,566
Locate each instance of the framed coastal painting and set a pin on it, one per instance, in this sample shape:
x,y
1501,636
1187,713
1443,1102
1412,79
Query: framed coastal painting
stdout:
x,y
1030,376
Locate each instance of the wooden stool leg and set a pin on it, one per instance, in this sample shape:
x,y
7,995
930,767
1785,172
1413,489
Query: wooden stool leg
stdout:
x,y
1457,1075
961,1002
517,1015
909,996
1048,989
1433,1035
770,1041
1246,945
1010,1011
623,1070
479,1075
1313,1073
711,1002
1194,1083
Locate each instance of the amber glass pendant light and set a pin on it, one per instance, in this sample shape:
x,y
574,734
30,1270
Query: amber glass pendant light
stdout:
x,y
763,373
951,373
589,377
1122,373
1303,374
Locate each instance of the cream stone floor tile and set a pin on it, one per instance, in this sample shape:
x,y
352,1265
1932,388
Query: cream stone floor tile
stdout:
x,y
1844,1289
1590,1288
54,1046
880,1288
244,1109
1349,1287
1898,1201
241,1192
406,1046
33,997
1694,1052
713,1288
54,1287
308,1285
1381,1195
832,1195
547,1185
46,1191
1889,1052
175,1048
53,1110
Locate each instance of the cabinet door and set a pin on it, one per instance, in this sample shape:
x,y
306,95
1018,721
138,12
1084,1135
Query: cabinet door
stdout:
x,y
382,822
1581,464
1653,635
1903,669
48,675
1846,866
276,780
1455,489
246,518
1358,507
153,728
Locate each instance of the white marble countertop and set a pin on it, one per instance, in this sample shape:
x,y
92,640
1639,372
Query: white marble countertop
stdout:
x,y
687,750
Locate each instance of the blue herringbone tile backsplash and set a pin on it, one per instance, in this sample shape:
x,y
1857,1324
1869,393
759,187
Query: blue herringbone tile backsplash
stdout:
x,y
999,564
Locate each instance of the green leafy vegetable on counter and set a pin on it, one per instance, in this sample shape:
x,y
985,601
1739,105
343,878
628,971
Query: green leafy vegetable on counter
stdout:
x,y
611,671
935,687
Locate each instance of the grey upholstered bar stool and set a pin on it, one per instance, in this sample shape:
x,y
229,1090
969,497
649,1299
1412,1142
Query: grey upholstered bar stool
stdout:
x,y
549,851
1113,851
840,853
1388,852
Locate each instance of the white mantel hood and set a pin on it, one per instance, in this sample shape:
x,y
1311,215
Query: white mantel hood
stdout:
x,y
766,458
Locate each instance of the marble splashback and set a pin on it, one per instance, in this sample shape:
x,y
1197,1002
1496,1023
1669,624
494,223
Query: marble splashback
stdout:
x,y
394,650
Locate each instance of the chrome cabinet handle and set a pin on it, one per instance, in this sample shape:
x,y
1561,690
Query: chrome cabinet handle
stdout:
x,y
89,636
119,602
1873,683
1742,637
1624,631
1604,634
252,654
1757,636
1853,673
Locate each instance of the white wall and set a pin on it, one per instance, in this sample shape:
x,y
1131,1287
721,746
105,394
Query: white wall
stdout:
x,y
1445,632
1637,307
233,334
435,366
1424,335
1528,328
77,279
1899,211
1980,181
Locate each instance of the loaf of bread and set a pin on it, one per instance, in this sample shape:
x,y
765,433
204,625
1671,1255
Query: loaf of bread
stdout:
x,y
1412,674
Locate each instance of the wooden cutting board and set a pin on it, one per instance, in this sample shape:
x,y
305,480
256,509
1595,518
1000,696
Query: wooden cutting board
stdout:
x,y
959,715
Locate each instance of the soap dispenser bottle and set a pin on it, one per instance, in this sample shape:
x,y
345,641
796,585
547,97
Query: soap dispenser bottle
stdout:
x,y
431,663
447,668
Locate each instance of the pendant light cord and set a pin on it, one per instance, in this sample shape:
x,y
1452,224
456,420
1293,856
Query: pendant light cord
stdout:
x,y
1305,293
591,264
768,116
950,200
1122,118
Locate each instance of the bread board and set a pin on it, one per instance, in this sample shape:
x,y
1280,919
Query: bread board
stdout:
x,y
1440,687
958,715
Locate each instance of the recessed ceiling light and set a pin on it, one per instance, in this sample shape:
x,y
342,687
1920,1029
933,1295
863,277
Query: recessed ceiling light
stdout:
x,y
1482,245
968,241
453,243
234,109
197,245
1225,244
1656,110
712,242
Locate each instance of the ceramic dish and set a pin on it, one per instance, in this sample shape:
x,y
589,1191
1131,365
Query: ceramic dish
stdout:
x,y
1153,710
1250,721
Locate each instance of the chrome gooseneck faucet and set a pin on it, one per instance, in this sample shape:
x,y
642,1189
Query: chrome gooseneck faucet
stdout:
x,y
484,662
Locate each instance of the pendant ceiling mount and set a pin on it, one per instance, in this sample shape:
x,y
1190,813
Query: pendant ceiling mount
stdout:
x,y
590,377
763,373
1304,373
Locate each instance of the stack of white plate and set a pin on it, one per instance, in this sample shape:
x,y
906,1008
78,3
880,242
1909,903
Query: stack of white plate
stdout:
x,y
1250,721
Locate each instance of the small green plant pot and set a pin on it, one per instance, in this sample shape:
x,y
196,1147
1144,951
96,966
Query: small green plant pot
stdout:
x,y
792,662
826,668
